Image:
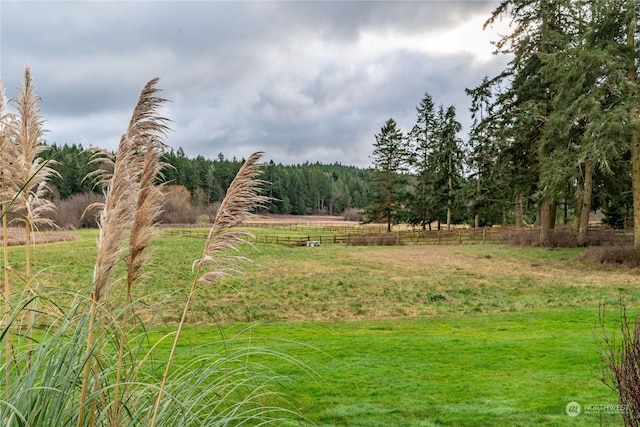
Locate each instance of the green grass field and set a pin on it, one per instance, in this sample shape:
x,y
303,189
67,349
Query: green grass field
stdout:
x,y
383,336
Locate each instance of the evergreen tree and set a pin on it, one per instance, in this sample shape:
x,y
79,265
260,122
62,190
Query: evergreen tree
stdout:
x,y
522,107
389,178
423,200
447,158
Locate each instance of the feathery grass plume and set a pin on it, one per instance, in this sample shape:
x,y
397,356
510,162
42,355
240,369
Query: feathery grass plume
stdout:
x,y
147,211
123,184
148,207
123,193
243,195
6,162
30,172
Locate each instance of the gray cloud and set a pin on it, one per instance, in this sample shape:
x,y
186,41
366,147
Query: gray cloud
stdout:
x,y
303,81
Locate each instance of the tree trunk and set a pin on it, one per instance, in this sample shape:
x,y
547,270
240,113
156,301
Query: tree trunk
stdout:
x,y
635,182
450,198
519,211
579,197
635,133
544,214
553,213
586,203
476,219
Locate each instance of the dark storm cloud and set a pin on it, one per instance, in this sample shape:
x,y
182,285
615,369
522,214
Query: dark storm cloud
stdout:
x,y
303,81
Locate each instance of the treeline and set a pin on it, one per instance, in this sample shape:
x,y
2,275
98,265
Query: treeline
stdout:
x,y
559,128
556,134
309,188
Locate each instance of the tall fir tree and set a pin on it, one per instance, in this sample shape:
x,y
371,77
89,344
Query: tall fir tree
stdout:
x,y
423,200
389,179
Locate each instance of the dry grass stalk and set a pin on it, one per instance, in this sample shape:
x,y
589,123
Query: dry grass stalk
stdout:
x,y
131,202
5,162
29,173
243,195
123,185
148,207
147,211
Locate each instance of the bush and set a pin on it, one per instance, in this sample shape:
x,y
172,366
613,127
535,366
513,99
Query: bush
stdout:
x,y
622,366
557,238
353,214
614,255
70,212
566,238
177,208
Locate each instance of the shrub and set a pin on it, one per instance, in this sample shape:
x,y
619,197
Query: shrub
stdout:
x,y
621,366
353,214
566,238
71,213
177,208
614,255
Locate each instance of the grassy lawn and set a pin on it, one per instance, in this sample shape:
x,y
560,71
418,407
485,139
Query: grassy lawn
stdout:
x,y
412,335
479,369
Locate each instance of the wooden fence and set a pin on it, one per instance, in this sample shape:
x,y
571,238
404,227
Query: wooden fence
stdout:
x,y
435,237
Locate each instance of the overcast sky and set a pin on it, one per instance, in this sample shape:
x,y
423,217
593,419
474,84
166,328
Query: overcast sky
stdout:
x,y
300,80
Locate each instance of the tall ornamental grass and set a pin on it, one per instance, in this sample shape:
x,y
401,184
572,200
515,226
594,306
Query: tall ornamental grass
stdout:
x,y
91,362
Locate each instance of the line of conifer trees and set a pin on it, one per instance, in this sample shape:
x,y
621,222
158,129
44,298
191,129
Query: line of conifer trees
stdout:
x,y
303,189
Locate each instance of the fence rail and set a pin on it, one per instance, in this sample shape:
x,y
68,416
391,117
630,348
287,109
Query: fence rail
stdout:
x,y
460,236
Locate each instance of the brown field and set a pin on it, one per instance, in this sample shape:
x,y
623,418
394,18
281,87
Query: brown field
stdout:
x,y
315,220
16,236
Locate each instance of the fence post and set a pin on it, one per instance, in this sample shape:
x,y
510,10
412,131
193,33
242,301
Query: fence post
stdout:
x,y
459,237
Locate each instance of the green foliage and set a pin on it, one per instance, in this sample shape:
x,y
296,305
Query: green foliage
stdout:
x,y
73,164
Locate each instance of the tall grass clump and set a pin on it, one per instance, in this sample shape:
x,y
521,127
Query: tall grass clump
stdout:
x,y
91,362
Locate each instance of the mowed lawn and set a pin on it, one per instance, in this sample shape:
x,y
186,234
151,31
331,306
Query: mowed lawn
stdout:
x,y
396,336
